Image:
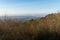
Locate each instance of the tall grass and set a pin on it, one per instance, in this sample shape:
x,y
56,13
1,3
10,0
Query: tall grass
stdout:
x,y
45,28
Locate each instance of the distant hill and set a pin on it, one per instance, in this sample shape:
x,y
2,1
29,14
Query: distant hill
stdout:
x,y
24,17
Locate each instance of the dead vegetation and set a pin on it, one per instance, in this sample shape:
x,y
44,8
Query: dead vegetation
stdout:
x,y
44,28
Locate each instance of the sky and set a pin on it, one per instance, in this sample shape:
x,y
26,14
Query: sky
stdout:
x,y
28,7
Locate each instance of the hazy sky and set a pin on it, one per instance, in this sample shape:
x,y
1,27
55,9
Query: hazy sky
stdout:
x,y
22,7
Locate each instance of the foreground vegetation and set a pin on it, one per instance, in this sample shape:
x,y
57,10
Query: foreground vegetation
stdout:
x,y
44,28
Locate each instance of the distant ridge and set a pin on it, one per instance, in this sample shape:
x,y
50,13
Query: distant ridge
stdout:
x,y
24,16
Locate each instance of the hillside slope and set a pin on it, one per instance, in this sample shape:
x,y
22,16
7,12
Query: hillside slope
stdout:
x,y
44,28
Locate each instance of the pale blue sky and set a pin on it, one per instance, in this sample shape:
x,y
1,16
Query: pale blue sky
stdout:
x,y
22,7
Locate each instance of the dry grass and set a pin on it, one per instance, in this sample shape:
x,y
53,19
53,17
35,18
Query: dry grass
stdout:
x,y
45,28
